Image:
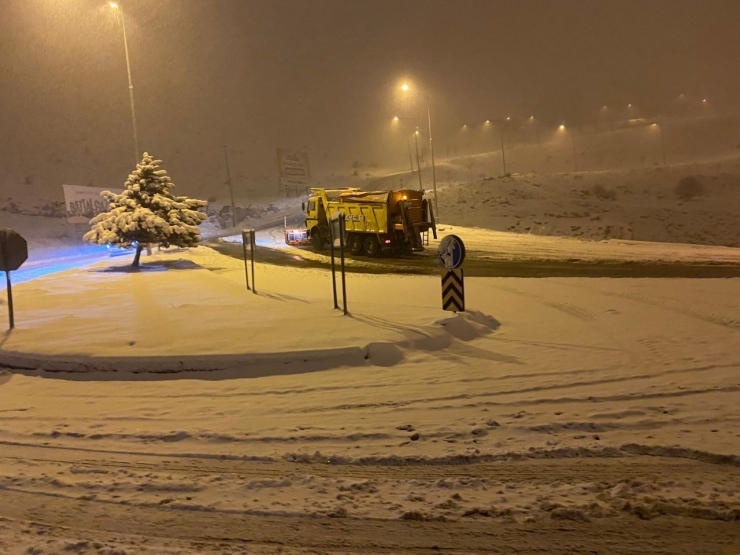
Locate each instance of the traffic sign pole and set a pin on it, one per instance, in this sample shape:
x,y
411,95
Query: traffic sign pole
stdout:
x,y
13,253
10,301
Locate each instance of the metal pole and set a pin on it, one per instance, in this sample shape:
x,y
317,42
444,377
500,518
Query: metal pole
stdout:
x,y
246,268
575,155
333,267
431,147
662,144
10,301
503,154
341,254
130,86
418,164
411,160
231,189
253,243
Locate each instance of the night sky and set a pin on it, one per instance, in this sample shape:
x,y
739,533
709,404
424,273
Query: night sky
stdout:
x,y
323,76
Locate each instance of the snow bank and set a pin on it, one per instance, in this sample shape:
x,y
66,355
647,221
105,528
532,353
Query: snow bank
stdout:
x,y
179,315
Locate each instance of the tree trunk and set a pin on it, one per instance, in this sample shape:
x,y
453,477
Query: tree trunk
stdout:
x,y
139,248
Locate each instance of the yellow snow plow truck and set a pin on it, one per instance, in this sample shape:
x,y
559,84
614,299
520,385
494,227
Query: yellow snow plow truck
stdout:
x,y
375,221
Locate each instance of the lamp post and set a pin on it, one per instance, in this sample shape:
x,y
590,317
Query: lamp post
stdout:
x,y
500,123
662,143
118,6
503,153
231,189
416,142
573,142
406,88
575,154
536,124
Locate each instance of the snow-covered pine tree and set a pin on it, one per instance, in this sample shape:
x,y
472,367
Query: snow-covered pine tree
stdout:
x,y
147,212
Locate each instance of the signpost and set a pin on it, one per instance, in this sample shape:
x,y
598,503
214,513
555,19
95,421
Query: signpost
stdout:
x,y
248,239
451,253
337,229
13,253
294,169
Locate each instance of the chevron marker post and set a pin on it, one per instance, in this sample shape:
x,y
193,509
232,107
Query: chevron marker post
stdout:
x,y
453,290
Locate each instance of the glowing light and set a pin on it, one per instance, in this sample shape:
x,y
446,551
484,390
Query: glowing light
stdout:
x,y
395,118
531,117
508,119
404,87
488,121
629,105
113,5
416,132
562,126
704,100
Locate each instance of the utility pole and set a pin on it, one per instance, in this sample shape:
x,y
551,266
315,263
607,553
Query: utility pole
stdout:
x,y
231,189
411,160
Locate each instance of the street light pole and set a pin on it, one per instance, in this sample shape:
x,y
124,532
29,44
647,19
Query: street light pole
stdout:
x,y
662,143
119,6
434,172
418,164
231,189
416,142
575,156
503,153
411,160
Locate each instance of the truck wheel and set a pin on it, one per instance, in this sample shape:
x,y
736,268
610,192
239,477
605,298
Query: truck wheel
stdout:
x,y
317,241
372,246
355,244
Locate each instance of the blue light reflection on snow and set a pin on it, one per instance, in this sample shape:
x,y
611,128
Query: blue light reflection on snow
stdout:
x,y
51,261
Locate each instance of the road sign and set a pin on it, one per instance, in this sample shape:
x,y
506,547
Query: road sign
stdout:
x,y
13,250
451,252
453,290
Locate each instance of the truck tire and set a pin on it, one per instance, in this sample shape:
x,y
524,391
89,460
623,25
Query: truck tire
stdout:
x,y
355,244
372,246
317,241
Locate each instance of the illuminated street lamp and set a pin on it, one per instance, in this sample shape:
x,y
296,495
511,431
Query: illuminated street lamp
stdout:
x,y
119,9
406,88
416,142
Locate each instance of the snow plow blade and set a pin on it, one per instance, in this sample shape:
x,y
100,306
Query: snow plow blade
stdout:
x,y
297,237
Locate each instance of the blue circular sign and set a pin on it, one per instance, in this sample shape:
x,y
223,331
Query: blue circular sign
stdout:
x,y
451,252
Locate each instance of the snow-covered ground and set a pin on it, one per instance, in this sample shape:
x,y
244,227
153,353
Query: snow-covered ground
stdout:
x,y
602,402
